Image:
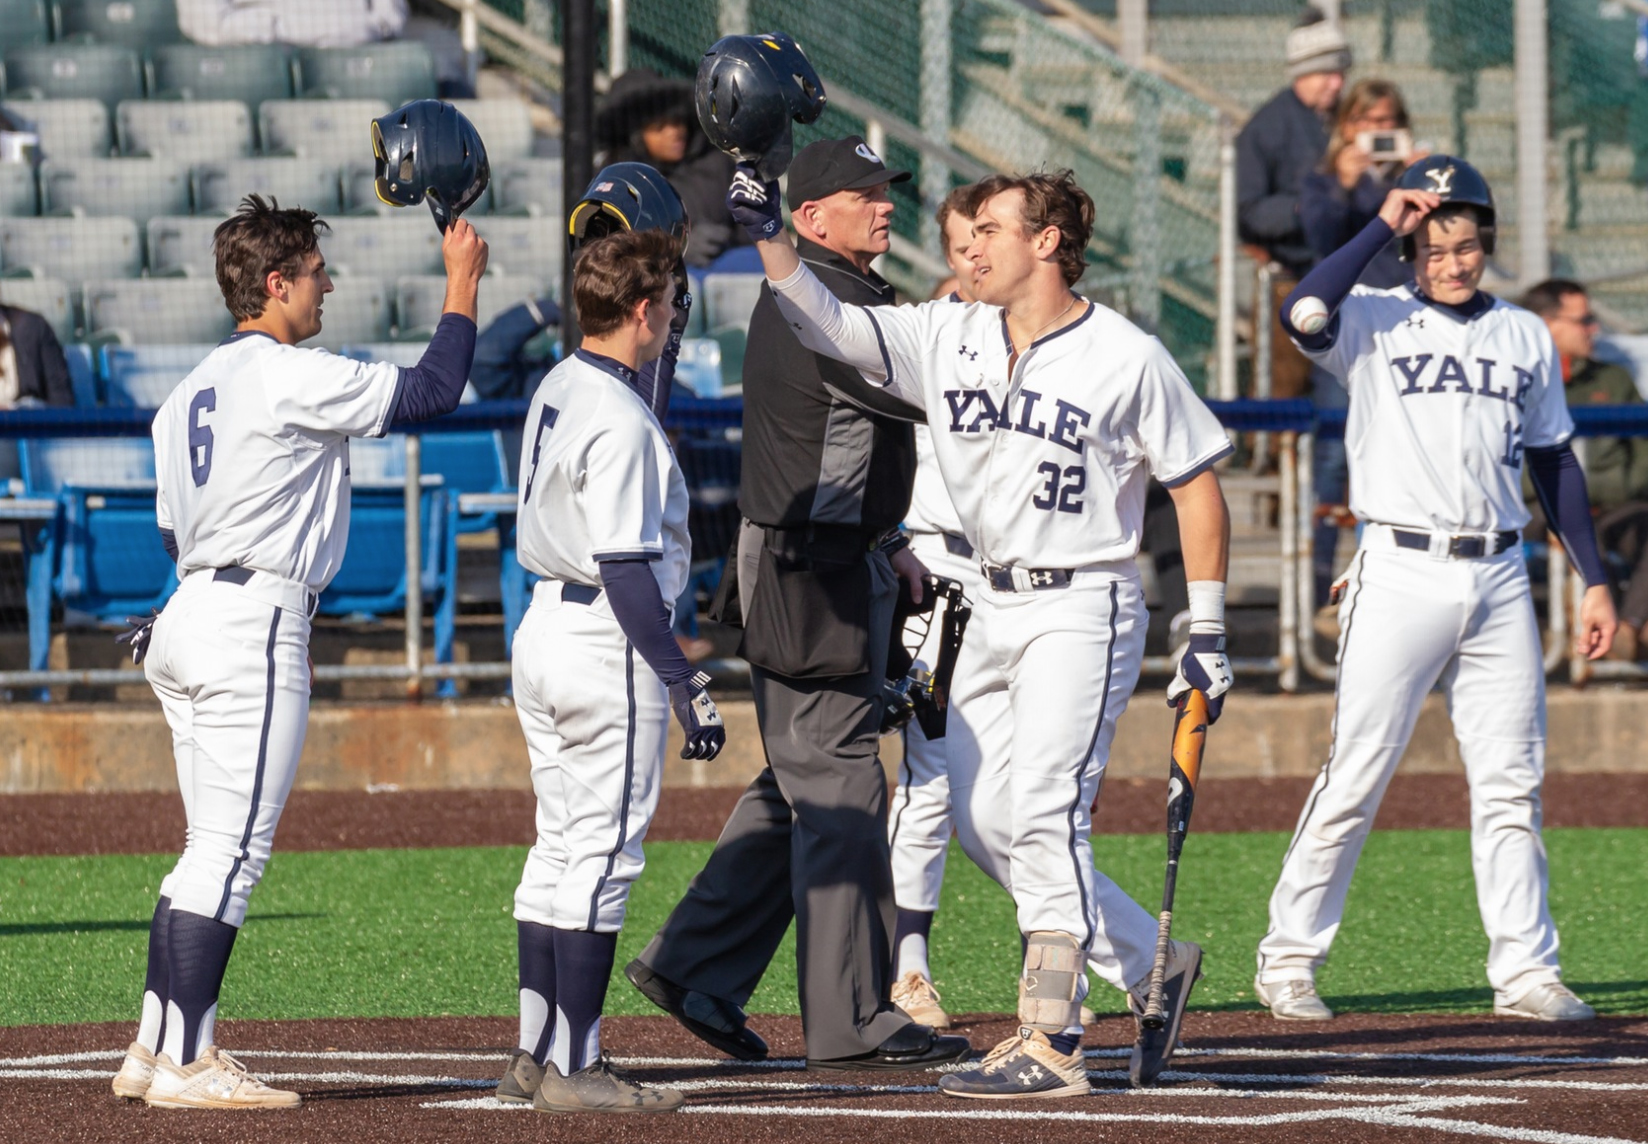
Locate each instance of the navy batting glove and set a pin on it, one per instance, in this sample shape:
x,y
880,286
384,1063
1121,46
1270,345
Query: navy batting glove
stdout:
x,y
138,634
695,711
753,204
1203,666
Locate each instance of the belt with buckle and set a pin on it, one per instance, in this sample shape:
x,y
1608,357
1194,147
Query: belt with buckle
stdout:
x,y
1000,578
957,545
1459,547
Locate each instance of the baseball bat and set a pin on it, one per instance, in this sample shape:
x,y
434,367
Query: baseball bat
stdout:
x,y
1189,739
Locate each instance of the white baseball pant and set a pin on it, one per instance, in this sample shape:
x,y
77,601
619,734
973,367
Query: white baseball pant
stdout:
x,y
1407,621
230,664
595,718
1041,680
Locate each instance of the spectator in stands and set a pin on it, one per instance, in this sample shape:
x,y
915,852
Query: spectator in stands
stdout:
x,y
33,370
647,118
1336,201
1616,468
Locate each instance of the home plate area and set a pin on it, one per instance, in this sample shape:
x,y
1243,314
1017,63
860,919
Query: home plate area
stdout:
x,y
1238,1077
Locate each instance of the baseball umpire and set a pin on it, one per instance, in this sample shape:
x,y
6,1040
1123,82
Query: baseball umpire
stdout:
x,y
827,466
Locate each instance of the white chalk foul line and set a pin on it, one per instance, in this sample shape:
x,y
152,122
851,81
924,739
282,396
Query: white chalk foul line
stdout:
x,y
1185,1076
1331,1055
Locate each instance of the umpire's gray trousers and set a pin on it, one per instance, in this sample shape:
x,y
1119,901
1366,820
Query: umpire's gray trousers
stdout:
x,y
807,840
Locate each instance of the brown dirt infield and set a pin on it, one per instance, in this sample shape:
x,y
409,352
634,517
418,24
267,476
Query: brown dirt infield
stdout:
x,y
1242,1077
333,820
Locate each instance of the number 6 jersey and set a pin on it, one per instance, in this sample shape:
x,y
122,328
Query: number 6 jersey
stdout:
x,y
1441,407
252,456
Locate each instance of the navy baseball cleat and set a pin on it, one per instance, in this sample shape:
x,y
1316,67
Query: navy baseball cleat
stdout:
x,y
1154,1046
1024,1065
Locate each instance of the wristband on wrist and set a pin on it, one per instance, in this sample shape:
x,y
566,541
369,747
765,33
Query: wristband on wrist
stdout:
x,y
1207,605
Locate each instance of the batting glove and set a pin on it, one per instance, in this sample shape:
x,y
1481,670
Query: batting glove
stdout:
x,y
1204,666
695,711
138,634
753,204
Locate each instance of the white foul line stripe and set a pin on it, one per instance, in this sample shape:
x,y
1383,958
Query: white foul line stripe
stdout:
x,y
1186,1076
1331,1055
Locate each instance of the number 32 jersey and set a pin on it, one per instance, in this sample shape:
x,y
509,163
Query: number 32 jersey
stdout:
x,y
252,456
1441,407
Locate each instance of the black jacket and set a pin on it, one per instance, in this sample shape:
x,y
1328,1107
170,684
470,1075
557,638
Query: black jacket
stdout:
x,y
42,371
821,445
1281,144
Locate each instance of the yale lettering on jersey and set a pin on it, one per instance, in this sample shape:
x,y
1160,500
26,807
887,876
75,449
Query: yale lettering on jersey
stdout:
x,y
974,411
1426,373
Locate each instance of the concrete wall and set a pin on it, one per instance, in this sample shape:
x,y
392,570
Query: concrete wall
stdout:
x,y
64,747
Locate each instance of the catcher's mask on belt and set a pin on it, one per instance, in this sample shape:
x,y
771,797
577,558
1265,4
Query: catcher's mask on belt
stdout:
x,y
916,691
748,91
429,151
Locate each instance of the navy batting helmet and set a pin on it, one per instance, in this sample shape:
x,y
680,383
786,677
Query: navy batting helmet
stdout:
x,y
626,196
749,90
1457,183
428,150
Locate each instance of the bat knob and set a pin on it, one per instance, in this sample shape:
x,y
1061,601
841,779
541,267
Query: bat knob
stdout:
x,y
1153,1022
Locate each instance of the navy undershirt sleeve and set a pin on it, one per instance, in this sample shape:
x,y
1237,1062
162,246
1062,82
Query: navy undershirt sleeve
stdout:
x,y
639,608
1332,279
168,541
433,387
1560,484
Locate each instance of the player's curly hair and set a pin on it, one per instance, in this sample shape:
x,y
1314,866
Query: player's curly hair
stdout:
x,y
1050,199
614,273
258,239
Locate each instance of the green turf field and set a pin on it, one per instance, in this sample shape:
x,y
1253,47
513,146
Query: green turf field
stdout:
x,y
428,932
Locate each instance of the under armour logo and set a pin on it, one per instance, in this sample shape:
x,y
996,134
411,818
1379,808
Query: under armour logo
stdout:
x,y
1031,1075
863,152
1441,180
970,355
1041,577
1415,320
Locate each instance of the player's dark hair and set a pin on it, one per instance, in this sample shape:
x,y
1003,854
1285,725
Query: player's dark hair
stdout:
x,y
614,274
259,239
1545,298
1050,199
956,202
1448,211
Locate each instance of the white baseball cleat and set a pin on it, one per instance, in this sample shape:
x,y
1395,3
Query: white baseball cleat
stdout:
x,y
1292,1000
916,996
136,1071
215,1080
1552,1001
1088,1018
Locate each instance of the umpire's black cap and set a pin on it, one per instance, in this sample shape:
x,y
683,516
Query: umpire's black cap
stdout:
x,y
832,165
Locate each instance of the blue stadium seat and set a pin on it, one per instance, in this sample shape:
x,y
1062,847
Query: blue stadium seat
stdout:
x,y
182,245
135,23
188,131
329,129
311,183
69,128
48,297
82,374
505,125
372,579
110,561
526,187
419,300
699,366
396,72
108,72
24,22
407,243
250,73
17,195
121,188
535,247
49,463
157,311
143,377
74,249
729,299
357,310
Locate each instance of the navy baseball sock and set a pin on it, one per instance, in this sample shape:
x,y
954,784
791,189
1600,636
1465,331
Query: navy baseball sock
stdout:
x,y
152,1025
1064,1042
198,950
910,942
583,965
535,949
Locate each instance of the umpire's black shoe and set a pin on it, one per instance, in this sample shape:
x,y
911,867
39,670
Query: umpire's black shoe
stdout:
x,y
912,1047
712,1020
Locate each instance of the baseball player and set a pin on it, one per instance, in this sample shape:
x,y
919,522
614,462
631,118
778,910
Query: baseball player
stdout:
x,y
252,464
603,519
1451,390
1048,413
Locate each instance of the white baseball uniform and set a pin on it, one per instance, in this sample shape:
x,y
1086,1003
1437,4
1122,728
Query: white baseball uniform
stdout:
x,y
598,481
1047,465
252,465
1441,408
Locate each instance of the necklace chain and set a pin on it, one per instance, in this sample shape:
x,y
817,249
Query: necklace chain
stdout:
x,y
1073,300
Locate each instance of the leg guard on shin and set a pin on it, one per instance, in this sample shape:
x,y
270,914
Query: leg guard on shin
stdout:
x,y
1053,968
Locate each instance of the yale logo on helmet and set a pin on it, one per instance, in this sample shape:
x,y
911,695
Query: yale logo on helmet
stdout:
x,y
1442,180
863,151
